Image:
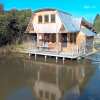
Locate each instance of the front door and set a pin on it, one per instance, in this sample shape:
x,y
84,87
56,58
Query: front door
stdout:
x,y
64,40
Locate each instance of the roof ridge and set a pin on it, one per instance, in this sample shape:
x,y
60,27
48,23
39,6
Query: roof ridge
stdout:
x,y
50,9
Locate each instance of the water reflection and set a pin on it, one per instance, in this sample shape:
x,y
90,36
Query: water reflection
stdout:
x,y
25,79
58,82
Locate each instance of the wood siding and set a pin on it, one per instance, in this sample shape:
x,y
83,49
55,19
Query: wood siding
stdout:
x,y
49,27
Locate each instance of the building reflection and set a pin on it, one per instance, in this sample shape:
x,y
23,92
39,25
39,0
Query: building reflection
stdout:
x,y
58,82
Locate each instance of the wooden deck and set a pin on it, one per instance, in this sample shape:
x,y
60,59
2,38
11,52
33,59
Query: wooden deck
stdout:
x,y
52,53
72,54
30,49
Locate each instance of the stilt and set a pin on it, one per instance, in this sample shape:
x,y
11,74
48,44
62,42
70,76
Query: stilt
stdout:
x,y
78,58
45,58
56,59
35,57
29,54
63,60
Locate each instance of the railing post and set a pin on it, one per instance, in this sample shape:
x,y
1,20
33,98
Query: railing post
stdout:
x,y
84,49
79,51
57,42
72,52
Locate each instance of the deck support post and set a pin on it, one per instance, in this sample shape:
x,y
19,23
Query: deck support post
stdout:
x,y
45,58
56,59
35,57
63,60
29,54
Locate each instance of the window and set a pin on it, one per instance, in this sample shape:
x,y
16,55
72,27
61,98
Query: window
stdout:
x,y
53,38
46,37
52,18
64,39
73,37
39,19
46,18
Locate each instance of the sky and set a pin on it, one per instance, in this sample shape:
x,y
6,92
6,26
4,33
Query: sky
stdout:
x,y
79,8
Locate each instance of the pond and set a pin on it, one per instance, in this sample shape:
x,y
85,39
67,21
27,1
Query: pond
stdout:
x,y
23,78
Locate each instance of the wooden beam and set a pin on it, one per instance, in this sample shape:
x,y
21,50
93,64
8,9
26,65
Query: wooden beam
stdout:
x,y
57,42
37,40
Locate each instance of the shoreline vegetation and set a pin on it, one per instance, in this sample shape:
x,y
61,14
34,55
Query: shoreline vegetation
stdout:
x,y
13,24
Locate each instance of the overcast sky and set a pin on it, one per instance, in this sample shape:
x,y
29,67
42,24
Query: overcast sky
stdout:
x,y
85,8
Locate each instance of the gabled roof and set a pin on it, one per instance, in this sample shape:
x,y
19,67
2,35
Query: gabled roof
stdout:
x,y
86,23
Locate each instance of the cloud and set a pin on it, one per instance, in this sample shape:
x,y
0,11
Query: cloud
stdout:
x,y
89,6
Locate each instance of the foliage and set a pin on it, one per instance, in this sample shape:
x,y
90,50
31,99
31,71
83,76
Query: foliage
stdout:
x,y
12,25
97,23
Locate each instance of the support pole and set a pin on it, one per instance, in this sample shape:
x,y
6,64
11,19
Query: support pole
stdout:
x,y
56,59
63,60
35,57
29,54
45,58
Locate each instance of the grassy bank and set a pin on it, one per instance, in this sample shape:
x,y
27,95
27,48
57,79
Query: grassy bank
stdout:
x,y
11,48
6,49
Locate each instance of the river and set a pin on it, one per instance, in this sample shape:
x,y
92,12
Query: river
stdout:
x,y
23,78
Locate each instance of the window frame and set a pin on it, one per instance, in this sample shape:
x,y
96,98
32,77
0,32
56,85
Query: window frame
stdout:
x,y
53,18
40,19
46,21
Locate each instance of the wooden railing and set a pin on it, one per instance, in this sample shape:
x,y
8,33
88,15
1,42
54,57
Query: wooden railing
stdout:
x,y
78,51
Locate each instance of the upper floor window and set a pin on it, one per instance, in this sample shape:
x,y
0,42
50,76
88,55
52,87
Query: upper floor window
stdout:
x,y
52,18
46,18
39,19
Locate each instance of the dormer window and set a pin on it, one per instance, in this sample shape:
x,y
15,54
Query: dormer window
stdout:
x,y
46,18
39,19
52,18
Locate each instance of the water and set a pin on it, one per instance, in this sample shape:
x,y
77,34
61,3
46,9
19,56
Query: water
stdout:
x,y
22,78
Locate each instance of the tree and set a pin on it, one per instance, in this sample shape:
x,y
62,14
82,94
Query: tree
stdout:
x,y
97,23
3,29
13,24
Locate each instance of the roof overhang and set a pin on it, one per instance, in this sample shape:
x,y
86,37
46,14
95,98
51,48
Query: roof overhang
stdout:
x,y
87,32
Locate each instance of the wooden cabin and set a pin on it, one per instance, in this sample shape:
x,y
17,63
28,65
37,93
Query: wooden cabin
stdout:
x,y
60,32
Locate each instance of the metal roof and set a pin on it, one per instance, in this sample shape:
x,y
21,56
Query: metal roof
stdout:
x,y
71,24
87,32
